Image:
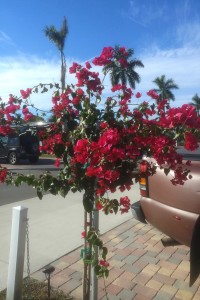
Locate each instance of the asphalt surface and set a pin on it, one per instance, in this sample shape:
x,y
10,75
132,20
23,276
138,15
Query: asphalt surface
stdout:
x,y
11,194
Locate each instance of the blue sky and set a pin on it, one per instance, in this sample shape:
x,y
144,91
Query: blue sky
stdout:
x,y
165,35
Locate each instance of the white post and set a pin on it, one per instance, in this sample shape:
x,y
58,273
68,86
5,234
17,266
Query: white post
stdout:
x,y
17,250
95,225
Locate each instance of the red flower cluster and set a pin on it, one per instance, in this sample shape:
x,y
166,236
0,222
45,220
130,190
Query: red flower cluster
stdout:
x,y
123,62
110,206
105,57
104,263
118,87
25,94
85,77
109,55
83,235
81,150
5,130
153,95
125,203
191,141
102,152
185,115
57,162
3,174
28,116
138,95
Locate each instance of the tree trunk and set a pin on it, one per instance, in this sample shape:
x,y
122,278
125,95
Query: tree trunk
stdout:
x,y
63,71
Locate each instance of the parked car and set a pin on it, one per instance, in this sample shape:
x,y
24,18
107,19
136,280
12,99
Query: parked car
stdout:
x,y
14,147
174,210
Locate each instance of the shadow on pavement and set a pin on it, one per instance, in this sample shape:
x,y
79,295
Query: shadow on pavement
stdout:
x,y
43,164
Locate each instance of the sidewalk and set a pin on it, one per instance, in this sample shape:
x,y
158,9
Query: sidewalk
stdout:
x,y
140,267
55,225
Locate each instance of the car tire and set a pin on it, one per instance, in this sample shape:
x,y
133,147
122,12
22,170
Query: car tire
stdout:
x,y
33,159
12,158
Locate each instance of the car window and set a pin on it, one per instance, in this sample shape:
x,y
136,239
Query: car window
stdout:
x,y
189,155
4,140
13,141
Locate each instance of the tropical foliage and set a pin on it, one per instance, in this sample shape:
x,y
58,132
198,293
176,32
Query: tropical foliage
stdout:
x,y
165,87
196,102
122,66
58,38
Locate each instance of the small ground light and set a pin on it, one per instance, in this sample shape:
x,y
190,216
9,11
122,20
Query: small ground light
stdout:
x,y
47,271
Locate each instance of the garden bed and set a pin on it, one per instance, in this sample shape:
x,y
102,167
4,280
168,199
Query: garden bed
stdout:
x,y
36,290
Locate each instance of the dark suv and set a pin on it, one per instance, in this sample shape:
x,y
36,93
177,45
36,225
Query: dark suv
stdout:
x,y
14,147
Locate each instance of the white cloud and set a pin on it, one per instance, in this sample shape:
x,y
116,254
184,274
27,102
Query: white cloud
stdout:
x,y
182,65
24,72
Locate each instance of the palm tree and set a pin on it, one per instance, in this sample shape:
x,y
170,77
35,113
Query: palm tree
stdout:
x,y
58,38
122,67
196,103
164,87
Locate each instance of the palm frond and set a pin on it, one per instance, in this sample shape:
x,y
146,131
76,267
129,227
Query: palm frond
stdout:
x,y
120,73
164,87
123,77
136,63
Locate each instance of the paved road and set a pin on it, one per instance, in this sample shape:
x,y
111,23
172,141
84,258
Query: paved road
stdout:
x,y
43,164
11,194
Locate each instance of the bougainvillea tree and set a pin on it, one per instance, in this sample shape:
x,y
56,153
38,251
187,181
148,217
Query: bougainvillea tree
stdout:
x,y
98,141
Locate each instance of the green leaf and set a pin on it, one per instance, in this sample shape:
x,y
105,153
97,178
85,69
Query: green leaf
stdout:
x,y
106,272
90,235
19,180
87,203
166,171
30,179
98,243
64,191
97,269
177,136
59,149
104,252
98,99
39,194
44,90
74,189
53,190
47,184
115,206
